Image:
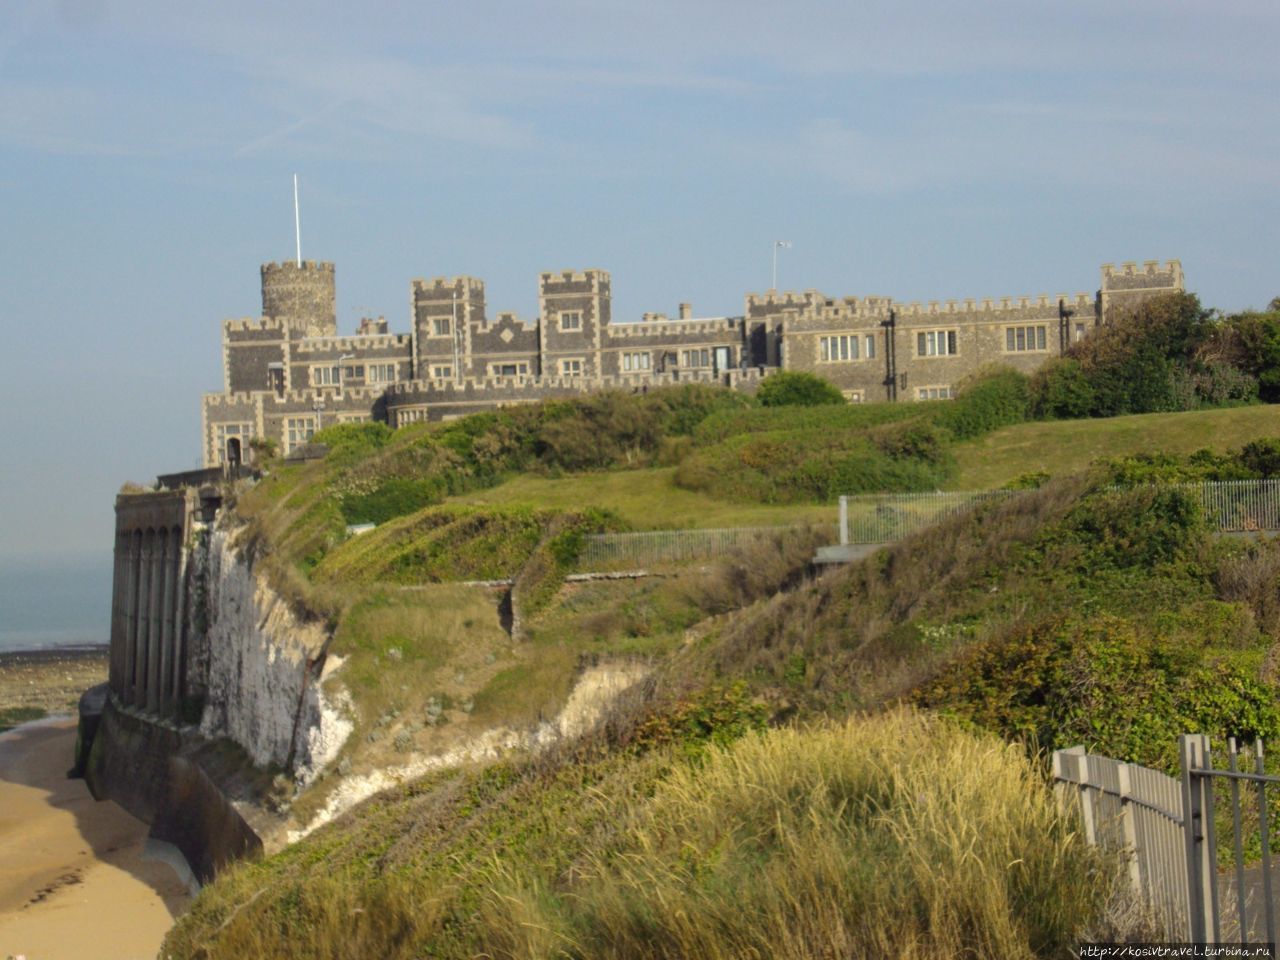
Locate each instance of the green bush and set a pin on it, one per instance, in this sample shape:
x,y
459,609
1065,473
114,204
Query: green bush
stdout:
x,y
1108,684
988,400
1059,390
1262,457
394,497
353,441
795,388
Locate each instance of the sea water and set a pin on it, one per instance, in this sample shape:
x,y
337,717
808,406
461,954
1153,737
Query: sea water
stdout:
x,y
55,603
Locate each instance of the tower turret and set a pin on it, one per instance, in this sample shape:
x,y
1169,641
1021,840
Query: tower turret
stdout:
x,y
303,296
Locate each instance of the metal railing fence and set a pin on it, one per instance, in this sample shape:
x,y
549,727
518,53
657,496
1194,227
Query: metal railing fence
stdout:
x,y
1230,505
1168,831
884,518
1238,506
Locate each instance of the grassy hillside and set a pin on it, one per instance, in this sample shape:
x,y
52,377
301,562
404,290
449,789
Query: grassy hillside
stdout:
x,y
649,498
1075,613
643,499
845,766
1059,447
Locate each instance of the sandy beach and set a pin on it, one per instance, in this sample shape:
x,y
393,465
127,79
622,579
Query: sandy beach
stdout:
x,y
77,877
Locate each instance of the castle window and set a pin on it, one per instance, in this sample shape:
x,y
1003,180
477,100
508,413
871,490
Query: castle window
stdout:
x,y
440,327
298,430
571,321
223,432
571,368
635,362
1079,331
442,373
835,349
936,343
871,346
509,369
354,373
695,358
934,393
1022,339
382,373
326,376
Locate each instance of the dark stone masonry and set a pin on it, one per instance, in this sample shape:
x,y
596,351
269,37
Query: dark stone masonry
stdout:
x,y
290,373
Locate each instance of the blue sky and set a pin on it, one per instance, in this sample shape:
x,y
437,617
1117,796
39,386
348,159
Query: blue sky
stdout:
x,y
915,149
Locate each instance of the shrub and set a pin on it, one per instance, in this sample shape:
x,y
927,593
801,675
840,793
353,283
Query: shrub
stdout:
x,y
1059,390
1108,684
987,400
1262,457
394,497
799,389
353,441
1257,336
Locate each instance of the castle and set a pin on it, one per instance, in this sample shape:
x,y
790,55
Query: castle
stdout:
x,y
290,373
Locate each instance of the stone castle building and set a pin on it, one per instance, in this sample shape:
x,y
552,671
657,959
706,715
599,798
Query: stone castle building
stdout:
x,y
290,372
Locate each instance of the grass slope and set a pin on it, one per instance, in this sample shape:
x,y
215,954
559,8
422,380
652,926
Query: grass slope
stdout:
x,y
644,499
1060,447
648,499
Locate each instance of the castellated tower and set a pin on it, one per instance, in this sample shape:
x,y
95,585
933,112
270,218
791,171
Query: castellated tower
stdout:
x,y
301,295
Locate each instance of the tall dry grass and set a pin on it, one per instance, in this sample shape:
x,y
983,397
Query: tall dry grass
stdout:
x,y
895,836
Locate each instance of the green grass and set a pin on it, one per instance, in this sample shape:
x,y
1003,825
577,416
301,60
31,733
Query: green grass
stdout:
x,y
1066,446
646,499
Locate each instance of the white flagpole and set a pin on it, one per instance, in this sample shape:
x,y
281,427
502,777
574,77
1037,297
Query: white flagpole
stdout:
x,y
776,245
297,221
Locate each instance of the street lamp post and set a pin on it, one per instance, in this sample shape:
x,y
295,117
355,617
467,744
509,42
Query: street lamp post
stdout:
x,y
341,369
784,244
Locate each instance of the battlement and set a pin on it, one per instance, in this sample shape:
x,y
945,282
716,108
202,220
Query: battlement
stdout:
x,y
1042,302
355,341
669,327
287,268
773,301
444,288
570,281
852,308
293,397
246,324
1151,275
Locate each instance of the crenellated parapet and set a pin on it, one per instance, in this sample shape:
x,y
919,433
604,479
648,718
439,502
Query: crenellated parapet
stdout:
x,y
1151,274
446,288
561,282
355,342
980,310
774,302
711,327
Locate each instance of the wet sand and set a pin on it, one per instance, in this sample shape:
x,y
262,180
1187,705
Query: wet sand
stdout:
x,y
74,882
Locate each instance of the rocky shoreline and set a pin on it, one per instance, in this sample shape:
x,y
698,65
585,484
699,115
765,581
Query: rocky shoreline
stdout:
x,y
47,682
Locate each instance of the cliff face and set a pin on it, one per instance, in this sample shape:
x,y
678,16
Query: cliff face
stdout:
x,y
264,671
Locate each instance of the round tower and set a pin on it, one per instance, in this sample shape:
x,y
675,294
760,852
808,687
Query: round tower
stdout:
x,y
302,295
